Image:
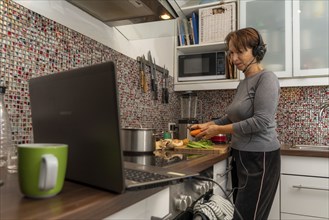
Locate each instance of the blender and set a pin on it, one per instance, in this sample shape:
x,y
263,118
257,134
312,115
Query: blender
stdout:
x,y
188,102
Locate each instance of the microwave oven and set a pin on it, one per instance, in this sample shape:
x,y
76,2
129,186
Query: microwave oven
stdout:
x,y
204,66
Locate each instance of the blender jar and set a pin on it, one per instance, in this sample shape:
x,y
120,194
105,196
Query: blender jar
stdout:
x,y
188,105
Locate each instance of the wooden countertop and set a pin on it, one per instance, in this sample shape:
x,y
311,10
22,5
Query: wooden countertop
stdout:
x,y
285,150
78,201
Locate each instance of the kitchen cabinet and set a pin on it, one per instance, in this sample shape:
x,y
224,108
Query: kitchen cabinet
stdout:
x,y
275,26
275,209
156,205
220,176
311,44
296,34
304,188
186,9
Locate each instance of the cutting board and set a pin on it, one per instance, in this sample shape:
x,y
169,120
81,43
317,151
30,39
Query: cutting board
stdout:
x,y
217,149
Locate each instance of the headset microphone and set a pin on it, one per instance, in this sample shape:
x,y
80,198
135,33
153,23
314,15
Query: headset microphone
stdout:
x,y
251,62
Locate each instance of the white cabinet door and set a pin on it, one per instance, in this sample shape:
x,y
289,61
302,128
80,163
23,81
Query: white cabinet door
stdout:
x,y
310,41
156,205
273,21
220,177
305,195
296,34
311,166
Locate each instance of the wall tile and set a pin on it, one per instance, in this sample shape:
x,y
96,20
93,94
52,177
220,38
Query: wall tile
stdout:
x,y
32,45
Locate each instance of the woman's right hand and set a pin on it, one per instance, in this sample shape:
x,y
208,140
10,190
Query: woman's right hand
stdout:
x,y
202,126
196,126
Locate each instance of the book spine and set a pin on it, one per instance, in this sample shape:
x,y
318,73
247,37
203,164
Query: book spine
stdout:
x,y
195,24
191,31
187,37
181,32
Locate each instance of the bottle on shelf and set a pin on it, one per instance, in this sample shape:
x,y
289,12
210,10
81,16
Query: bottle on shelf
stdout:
x,y
8,152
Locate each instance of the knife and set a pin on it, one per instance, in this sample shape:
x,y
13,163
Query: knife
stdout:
x,y
166,93
152,71
164,85
143,80
139,59
155,81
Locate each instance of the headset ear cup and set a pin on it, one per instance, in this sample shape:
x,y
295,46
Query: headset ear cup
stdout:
x,y
259,52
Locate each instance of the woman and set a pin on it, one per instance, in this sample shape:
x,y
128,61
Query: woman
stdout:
x,y
250,119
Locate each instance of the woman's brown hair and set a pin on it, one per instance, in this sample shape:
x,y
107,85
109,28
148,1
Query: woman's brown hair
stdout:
x,y
247,38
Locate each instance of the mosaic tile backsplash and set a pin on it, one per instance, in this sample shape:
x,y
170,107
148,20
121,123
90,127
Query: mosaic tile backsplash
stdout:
x,y
32,45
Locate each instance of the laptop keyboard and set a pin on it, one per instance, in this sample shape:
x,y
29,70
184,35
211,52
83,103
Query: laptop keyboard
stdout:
x,y
143,176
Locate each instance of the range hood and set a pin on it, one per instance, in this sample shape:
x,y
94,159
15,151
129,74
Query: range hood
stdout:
x,y
124,12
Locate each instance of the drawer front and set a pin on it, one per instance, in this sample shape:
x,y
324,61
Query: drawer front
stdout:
x,y
287,216
155,205
311,166
305,195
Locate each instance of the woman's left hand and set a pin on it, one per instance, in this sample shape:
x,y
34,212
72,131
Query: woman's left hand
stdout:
x,y
208,132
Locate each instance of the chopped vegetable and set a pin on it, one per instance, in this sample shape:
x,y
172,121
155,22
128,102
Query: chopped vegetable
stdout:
x,y
202,144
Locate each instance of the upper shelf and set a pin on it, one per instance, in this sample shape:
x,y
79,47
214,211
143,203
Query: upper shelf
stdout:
x,y
193,5
209,47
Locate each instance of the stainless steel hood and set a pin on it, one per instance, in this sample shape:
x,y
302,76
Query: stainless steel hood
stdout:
x,y
124,12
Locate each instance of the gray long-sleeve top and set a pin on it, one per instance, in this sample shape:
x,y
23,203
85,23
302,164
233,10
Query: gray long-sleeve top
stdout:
x,y
252,113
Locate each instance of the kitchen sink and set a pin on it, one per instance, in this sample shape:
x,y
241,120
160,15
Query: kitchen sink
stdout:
x,y
310,147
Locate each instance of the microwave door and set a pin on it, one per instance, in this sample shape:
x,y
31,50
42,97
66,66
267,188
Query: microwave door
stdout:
x,y
198,67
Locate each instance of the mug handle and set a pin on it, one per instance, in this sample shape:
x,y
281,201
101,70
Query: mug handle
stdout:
x,y
48,172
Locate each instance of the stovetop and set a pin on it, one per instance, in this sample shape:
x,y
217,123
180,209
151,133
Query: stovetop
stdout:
x,y
159,158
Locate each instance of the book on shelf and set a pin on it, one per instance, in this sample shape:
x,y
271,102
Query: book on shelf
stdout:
x,y
195,25
216,22
187,31
192,38
181,32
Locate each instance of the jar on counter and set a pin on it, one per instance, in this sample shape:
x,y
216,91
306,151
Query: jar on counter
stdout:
x,y
219,139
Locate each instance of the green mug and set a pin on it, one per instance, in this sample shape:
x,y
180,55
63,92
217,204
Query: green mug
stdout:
x,y
41,169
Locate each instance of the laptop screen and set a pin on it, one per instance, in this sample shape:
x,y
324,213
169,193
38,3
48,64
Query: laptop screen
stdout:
x,y
79,107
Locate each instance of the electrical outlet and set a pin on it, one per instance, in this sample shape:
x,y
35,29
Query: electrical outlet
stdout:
x,y
171,126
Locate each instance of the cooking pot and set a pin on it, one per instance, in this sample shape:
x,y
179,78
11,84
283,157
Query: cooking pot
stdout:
x,y
138,139
145,159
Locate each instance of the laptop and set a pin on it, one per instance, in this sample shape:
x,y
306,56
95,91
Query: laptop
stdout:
x,y
80,107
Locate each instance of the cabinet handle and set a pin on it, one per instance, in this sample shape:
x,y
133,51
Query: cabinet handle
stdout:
x,y
307,187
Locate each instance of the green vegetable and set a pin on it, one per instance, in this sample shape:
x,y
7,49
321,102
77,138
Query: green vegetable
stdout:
x,y
205,144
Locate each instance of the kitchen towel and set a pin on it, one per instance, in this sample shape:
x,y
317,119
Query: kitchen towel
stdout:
x,y
216,207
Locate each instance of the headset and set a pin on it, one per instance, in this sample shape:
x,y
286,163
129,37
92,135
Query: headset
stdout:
x,y
259,51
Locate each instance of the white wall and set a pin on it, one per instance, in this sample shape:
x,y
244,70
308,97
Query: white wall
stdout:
x,y
162,49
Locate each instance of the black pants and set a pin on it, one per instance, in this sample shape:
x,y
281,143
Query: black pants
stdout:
x,y
255,177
